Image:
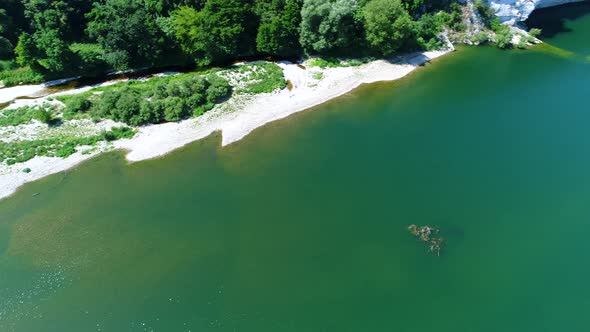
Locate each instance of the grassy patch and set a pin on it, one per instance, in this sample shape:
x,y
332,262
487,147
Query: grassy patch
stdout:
x,y
21,151
324,63
328,62
265,77
255,77
22,115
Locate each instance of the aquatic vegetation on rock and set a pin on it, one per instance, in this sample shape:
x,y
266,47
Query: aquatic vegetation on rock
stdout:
x,y
427,234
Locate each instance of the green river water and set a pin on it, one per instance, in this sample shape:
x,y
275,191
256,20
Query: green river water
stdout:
x,y
302,226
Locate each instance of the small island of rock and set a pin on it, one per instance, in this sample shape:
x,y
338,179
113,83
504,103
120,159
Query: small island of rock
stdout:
x,y
426,235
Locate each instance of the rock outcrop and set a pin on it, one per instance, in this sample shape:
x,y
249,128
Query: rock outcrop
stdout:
x,y
515,11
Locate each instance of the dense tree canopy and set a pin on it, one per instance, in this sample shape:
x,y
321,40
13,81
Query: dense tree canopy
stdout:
x,y
5,45
387,24
216,33
127,32
328,25
278,33
90,37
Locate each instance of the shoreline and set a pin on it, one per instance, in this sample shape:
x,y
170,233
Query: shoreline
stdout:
x,y
235,119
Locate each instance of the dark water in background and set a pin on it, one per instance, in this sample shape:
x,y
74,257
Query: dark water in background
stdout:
x,y
302,225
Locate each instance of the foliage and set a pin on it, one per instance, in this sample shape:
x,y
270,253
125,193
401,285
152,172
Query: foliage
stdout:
x,y
329,26
88,58
127,33
117,133
486,13
76,104
21,151
22,115
504,37
214,34
47,45
55,38
5,44
43,116
25,50
387,24
172,99
429,27
522,43
11,74
535,32
482,37
503,33
265,77
278,33
330,62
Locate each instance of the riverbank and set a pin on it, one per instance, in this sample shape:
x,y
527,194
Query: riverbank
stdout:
x,y
236,118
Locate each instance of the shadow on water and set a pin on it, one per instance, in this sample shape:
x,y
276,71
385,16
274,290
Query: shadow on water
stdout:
x,y
553,20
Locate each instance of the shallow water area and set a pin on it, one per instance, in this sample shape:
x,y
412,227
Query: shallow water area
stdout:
x,y
302,226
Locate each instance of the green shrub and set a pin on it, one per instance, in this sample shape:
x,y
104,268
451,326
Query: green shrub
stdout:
x,y
174,109
16,116
43,116
65,150
169,98
23,75
324,62
495,25
117,133
504,37
522,43
27,170
535,32
107,103
88,58
486,13
482,37
10,162
78,104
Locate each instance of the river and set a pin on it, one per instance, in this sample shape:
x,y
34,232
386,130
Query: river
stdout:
x,y
302,226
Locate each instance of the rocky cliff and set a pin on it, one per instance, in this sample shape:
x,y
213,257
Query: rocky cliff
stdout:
x,y
514,11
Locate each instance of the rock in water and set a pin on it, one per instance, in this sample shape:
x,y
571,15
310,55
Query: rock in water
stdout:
x,y
427,234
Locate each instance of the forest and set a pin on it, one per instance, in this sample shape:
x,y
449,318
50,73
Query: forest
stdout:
x,y
44,39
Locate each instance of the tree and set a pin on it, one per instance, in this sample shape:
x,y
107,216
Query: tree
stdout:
x,y
278,33
13,20
163,7
25,50
5,44
127,33
88,58
328,26
217,33
388,25
49,20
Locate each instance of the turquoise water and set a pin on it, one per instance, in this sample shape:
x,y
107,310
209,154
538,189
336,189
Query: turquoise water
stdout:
x,y
301,226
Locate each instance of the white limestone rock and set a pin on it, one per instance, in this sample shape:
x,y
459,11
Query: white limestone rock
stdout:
x,y
515,11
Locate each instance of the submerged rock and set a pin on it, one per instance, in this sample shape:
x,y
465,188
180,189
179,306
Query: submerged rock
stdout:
x,y
427,234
